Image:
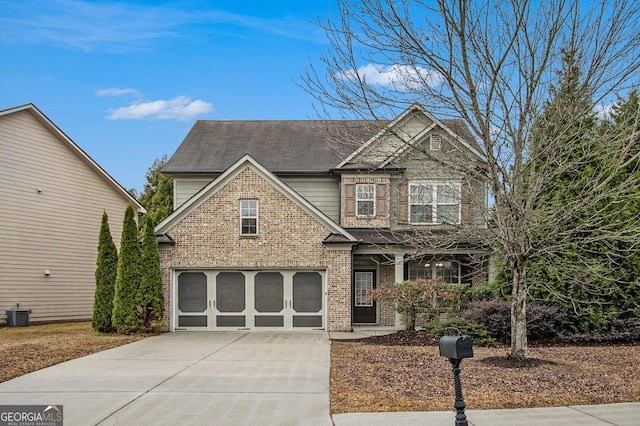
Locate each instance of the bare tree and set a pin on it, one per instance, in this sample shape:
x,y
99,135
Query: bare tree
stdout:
x,y
492,63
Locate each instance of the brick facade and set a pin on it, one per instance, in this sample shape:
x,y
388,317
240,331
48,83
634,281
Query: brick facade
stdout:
x,y
288,238
349,218
387,309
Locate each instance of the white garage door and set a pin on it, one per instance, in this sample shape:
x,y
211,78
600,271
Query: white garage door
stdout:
x,y
249,300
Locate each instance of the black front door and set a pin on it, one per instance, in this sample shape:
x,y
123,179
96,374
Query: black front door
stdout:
x,y
364,309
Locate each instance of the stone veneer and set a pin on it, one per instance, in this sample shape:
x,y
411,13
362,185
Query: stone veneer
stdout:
x,y
288,238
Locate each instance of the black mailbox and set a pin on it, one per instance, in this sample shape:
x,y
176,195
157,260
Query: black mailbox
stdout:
x,y
456,347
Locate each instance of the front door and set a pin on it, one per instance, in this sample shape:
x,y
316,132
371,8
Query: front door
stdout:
x,y
364,308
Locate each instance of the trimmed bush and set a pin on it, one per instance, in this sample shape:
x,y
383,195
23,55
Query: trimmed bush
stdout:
x,y
543,321
495,315
477,332
623,330
106,271
426,296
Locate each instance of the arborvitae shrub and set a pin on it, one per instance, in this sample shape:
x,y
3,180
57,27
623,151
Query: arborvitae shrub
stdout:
x,y
150,296
106,271
125,318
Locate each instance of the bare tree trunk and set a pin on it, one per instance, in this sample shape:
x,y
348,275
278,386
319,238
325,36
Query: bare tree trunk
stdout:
x,y
519,348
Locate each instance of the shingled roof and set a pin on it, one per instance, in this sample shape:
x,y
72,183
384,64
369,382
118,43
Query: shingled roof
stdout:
x,y
285,146
281,146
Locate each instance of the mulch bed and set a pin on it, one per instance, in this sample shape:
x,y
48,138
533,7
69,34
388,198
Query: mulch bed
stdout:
x,y
404,372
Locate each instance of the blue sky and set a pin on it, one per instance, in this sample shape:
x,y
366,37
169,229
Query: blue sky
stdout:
x,y
126,80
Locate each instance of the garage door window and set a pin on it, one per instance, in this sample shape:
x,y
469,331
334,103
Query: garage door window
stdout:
x,y
192,292
307,292
192,299
269,292
230,292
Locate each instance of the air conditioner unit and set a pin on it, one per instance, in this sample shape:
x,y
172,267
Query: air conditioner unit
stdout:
x,y
17,318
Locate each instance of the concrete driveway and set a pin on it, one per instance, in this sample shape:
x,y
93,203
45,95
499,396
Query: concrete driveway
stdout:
x,y
189,378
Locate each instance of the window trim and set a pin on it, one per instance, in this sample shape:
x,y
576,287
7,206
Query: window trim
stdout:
x,y
242,216
372,200
434,204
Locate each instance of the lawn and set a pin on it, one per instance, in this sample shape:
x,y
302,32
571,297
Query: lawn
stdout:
x,y
26,349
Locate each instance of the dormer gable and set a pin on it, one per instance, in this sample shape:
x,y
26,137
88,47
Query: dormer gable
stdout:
x,y
414,128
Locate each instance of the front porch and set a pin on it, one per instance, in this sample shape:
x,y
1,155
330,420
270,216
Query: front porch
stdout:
x,y
375,265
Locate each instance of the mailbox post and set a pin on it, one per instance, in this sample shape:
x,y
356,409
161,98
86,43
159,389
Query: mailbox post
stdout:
x,y
456,348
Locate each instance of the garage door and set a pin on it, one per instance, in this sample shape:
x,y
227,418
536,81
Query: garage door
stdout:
x,y
249,300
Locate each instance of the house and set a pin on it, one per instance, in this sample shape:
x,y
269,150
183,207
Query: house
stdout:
x,y
53,197
286,225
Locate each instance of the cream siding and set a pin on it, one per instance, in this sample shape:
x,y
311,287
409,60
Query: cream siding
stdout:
x,y
397,141
322,192
186,187
52,204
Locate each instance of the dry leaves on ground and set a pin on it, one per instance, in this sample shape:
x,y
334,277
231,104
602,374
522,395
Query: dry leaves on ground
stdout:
x,y
27,349
381,375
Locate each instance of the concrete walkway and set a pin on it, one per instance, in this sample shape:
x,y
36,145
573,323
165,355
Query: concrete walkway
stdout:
x,y
238,379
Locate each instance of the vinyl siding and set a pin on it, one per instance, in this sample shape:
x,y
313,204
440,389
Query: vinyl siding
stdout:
x,y
186,187
322,192
52,204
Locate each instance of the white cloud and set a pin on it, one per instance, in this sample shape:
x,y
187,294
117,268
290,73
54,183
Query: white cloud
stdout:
x,y
114,91
179,108
396,76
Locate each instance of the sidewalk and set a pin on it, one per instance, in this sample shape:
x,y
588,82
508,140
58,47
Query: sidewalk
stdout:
x,y
627,414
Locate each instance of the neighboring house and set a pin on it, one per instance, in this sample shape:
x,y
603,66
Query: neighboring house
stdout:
x,y
286,225
53,196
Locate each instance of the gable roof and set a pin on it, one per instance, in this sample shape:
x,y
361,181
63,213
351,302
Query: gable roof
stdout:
x,y
455,128
60,135
231,173
288,146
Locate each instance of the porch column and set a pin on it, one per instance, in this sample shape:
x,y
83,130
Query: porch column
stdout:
x,y
398,262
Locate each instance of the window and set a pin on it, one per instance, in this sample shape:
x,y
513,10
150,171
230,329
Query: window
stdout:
x,y
365,199
433,203
363,285
248,217
447,270
435,143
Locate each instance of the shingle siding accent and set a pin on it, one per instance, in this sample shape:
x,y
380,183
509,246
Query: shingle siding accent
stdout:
x,y
288,238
